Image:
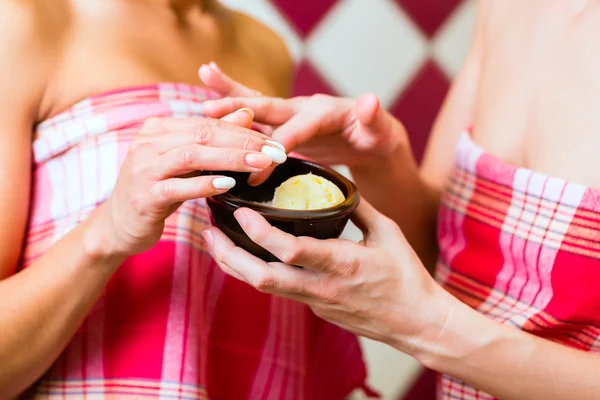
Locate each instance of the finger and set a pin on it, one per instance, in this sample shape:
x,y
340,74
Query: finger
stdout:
x,y
243,118
320,115
260,177
218,137
375,122
176,190
374,225
274,278
218,133
299,129
212,76
267,110
368,110
207,158
299,251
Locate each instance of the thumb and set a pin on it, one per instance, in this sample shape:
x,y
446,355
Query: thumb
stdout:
x,y
374,225
243,117
375,122
372,115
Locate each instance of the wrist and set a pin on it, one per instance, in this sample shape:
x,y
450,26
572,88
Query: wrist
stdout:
x,y
457,339
98,238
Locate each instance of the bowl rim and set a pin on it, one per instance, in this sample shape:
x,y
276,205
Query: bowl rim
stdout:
x,y
338,211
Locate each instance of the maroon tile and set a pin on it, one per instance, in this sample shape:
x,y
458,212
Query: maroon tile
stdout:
x,y
418,105
429,14
304,14
423,388
309,81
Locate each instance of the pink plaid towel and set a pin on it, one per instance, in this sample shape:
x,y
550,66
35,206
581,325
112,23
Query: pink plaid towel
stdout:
x,y
522,248
170,324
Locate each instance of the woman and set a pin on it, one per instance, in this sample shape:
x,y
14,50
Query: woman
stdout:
x,y
106,289
515,311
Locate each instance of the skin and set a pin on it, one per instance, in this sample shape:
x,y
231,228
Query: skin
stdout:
x,y
531,93
47,65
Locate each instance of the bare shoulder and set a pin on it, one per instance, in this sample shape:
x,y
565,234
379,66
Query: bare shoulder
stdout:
x,y
269,51
30,34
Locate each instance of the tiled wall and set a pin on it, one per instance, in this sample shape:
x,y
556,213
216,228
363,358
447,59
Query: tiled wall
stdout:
x,y
405,51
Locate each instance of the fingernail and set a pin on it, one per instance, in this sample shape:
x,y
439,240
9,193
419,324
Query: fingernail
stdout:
x,y
223,183
276,144
214,66
247,111
241,218
204,66
257,160
208,237
275,154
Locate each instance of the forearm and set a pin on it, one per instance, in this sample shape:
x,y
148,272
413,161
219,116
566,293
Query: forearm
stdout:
x,y
509,363
42,307
394,186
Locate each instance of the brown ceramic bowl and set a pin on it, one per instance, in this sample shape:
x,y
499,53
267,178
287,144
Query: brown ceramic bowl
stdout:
x,y
327,223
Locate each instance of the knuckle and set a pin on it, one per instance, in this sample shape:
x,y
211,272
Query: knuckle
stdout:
x,y
291,254
138,170
203,134
166,191
348,267
390,226
267,106
329,294
249,142
139,204
264,282
234,158
186,156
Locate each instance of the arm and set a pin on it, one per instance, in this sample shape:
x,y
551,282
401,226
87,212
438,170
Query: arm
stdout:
x,y
42,306
506,362
380,290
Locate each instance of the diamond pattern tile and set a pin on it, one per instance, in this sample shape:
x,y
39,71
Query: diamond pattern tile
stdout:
x,y
367,46
309,81
305,15
452,42
429,15
418,105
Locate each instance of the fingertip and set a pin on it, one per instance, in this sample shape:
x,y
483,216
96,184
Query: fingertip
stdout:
x,y
214,66
204,72
248,111
367,107
208,236
241,216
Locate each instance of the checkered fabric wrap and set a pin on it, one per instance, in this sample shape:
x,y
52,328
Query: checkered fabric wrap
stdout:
x,y
522,248
170,324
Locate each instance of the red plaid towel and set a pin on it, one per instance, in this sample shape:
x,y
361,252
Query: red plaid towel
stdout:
x,y
522,248
170,324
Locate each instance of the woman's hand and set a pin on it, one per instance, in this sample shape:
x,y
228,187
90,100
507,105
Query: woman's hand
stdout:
x,y
155,176
378,289
327,129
